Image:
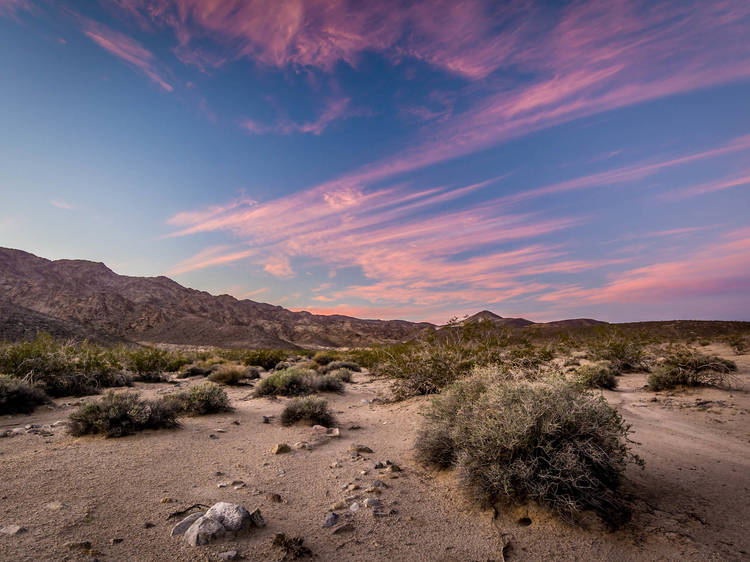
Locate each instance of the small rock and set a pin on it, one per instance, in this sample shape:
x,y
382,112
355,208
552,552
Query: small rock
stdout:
x,y
78,545
364,472
220,430
257,519
373,490
379,465
267,419
237,483
148,525
115,541
203,530
335,464
360,449
236,422
54,506
219,473
32,426
331,520
167,500
373,503
354,507
333,432
222,485
338,505
275,498
212,436
302,445
227,555
185,524
352,487
345,528
380,484
392,467
280,448
12,530
354,427
320,428
59,423
232,516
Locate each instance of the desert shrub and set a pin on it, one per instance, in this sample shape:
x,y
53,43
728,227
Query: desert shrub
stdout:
x,y
289,382
17,397
149,360
282,365
312,410
596,376
327,383
366,357
335,365
344,375
528,357
62,368
198,369
625,355
266,358
513,442
323,358
738,343
683,367
116,415
199,400
229,374
253,372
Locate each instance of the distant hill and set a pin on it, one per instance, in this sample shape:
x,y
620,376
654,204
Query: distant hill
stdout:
x,y
78,298
487,316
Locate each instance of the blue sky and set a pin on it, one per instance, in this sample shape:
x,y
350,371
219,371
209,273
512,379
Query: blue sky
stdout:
x,y
390,160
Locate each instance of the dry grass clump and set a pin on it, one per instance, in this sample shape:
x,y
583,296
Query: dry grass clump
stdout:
x,y
314,411
513,442
683,367
344,375
327,383
231,375
625,355
116,415
599,375
336,365
18,397
201,399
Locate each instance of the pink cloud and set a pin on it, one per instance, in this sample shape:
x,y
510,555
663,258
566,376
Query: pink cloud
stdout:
x,y
210,257
279,266
337,109
125,48
10,8
710,187
61,204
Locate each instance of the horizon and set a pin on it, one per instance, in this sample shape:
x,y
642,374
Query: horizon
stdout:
x,y
416,162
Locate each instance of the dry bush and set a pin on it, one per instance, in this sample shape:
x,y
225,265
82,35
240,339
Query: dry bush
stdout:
x,y
288,382
336,365
196,369
327,383
513,442
116,415
229,374
599,375
312,410
323,358
626,355
201,399
17,397
684,367
266,358
344,375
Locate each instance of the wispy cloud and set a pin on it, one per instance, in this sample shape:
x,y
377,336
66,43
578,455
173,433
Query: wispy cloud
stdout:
x,y
125,48
209,257
61,204
335,110
11,8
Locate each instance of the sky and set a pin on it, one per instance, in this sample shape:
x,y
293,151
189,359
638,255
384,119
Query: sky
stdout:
x,y
416,160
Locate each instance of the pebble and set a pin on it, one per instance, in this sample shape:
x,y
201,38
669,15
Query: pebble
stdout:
x,y
331,520
220,430
280,448
338,505
227,555
360,448
354,507
345,528
212,436
12,530
115,541
275,498
373,503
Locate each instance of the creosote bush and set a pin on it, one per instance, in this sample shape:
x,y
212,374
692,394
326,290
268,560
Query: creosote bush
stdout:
x,y
297,382
624,354
596,376
323,358
149,361
229,374
199,400
266,358
313,411
336,365
117,415
17,397
344,375
513,442
683,367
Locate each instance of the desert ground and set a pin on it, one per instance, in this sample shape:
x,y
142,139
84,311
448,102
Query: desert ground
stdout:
x,y
690,500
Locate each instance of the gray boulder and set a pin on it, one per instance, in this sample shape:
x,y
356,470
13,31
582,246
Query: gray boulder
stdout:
x,y
203,530
185,524
232,516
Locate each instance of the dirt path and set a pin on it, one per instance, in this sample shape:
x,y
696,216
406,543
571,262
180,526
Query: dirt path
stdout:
x,y
691,499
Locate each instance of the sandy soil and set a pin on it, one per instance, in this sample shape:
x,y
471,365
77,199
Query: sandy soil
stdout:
x,y
691,500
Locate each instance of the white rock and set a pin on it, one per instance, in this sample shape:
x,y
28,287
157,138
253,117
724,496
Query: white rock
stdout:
x,y
232,516
186,523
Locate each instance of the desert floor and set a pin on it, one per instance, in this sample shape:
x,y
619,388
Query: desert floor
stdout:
x,y
691,501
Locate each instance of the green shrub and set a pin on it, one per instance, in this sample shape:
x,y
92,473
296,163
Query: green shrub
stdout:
x,y
327,383
322,358
62,368
596,376
312,410
149,360
229,374
513,442
738,343
683,367
289,382
625,355
336,365
116,415
17,397
266,358
282,365
344,375
199,400
199,369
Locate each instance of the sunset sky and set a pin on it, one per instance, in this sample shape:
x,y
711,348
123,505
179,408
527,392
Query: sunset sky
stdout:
x,y
384,159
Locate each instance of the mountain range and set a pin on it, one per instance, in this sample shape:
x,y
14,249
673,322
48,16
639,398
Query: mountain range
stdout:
x,y
85,299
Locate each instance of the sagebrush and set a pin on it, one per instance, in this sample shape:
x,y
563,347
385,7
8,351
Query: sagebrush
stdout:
x,y
312,410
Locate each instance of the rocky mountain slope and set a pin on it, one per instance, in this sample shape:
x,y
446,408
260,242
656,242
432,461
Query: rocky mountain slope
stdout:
x,y
86,299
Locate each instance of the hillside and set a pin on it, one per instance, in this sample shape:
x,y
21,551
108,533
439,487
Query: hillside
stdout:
x,y
78,298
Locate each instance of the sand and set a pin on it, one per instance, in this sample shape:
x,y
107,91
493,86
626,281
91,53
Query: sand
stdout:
x,y
692,499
